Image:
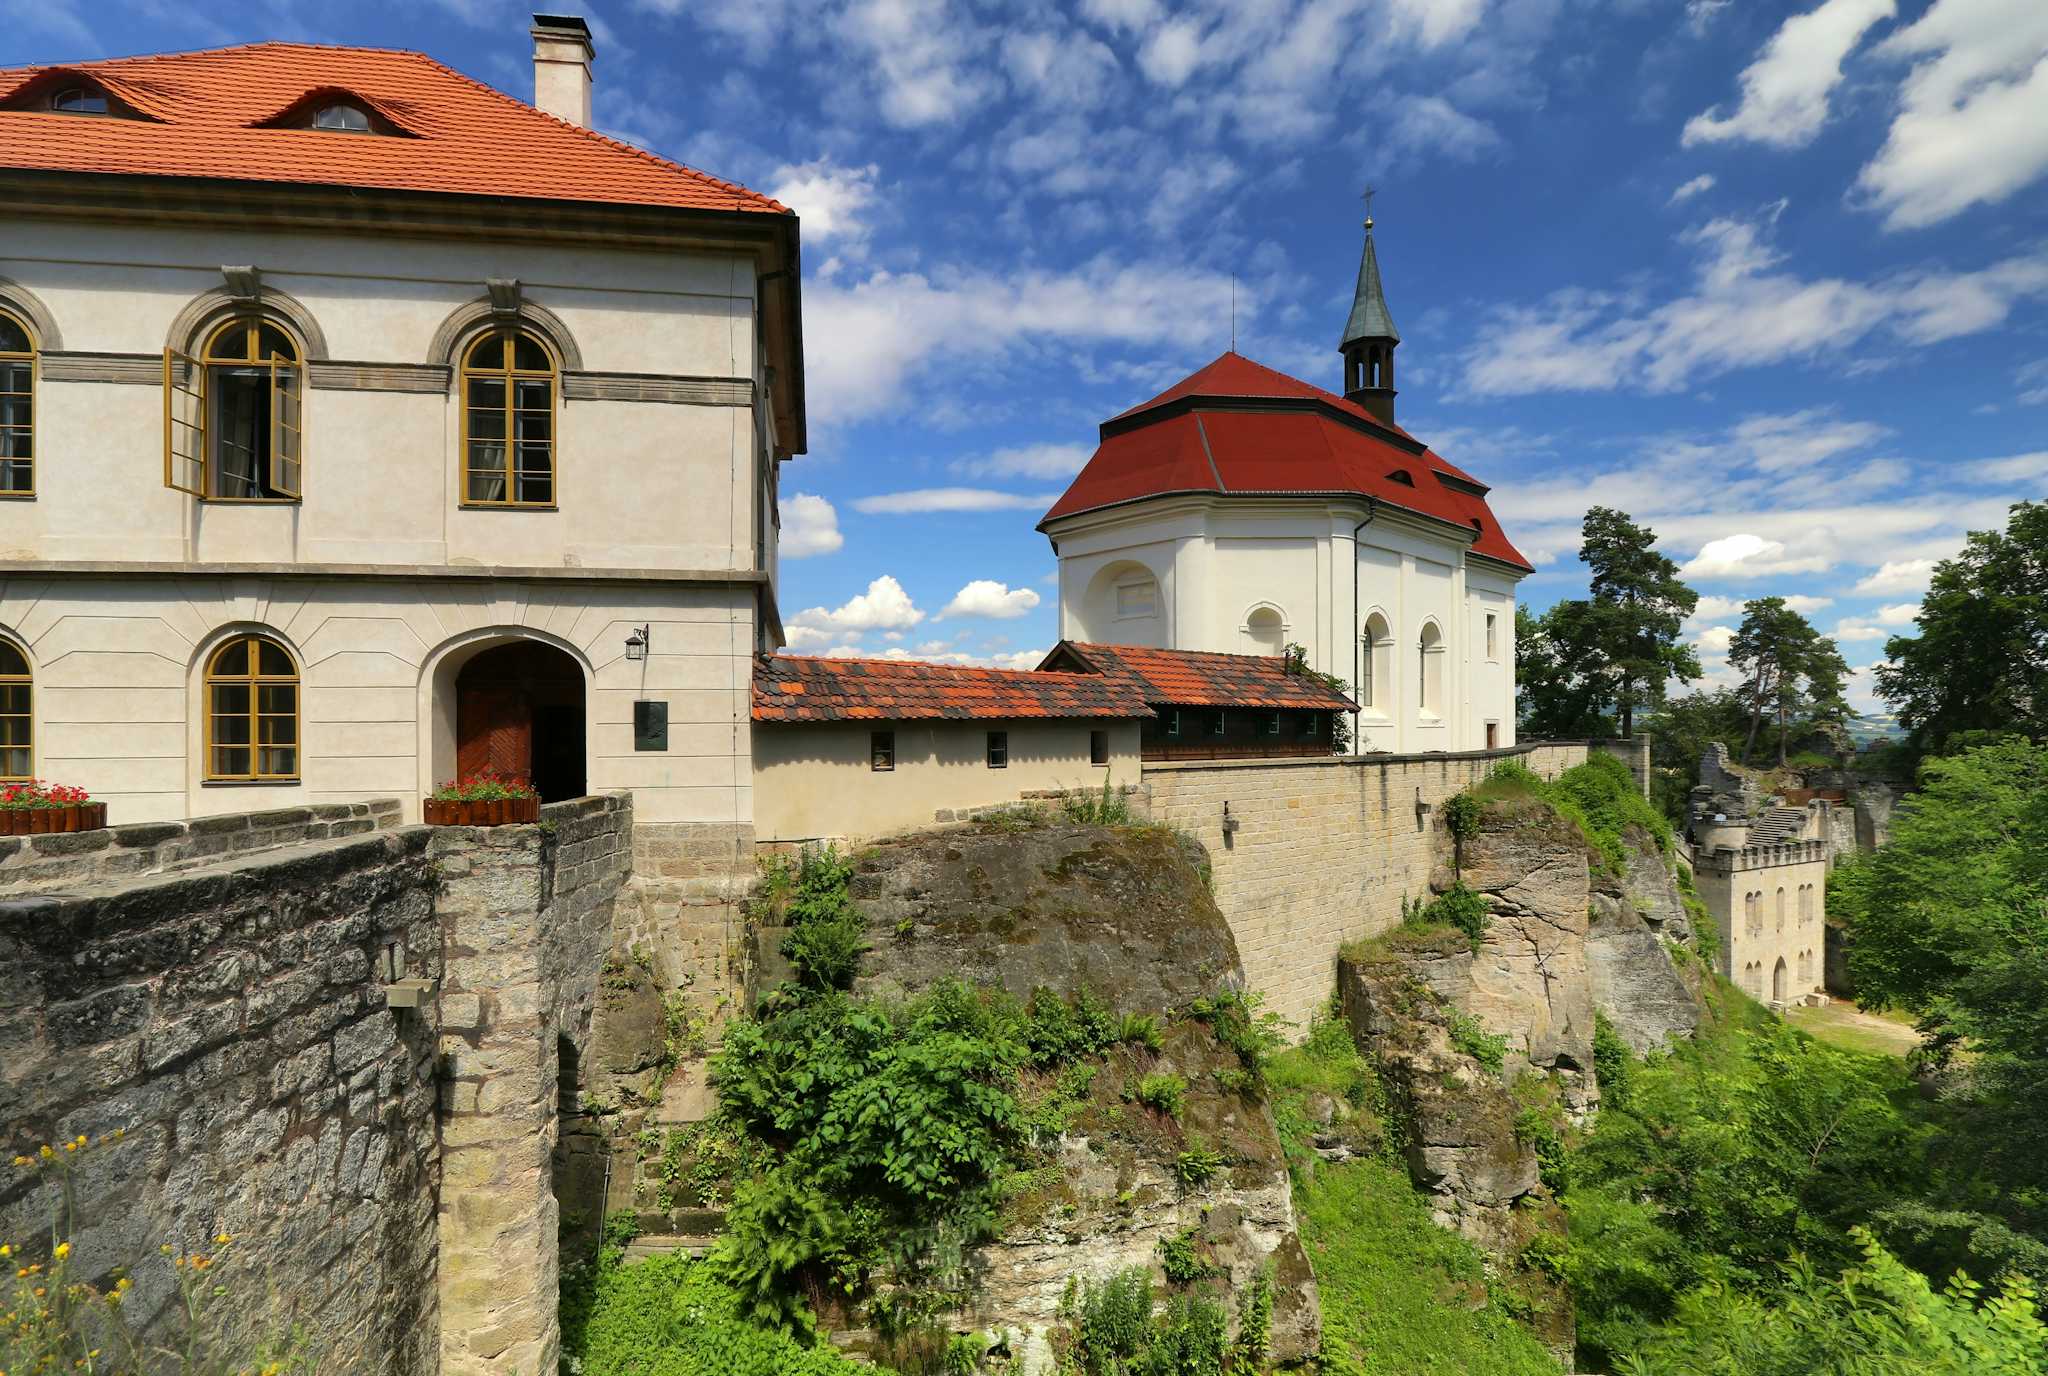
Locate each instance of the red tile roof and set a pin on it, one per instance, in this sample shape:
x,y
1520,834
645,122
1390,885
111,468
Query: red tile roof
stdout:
x,y
1198,678
1303,441
202,111
797,688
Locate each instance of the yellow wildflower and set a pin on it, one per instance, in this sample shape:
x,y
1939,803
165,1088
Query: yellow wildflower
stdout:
x,y
222,1239
63,1250
48,1154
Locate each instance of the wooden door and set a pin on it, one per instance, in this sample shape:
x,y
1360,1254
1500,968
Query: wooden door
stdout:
x,y
494,730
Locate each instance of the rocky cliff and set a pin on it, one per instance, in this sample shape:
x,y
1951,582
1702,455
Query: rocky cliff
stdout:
x,y
1488,1043
1126,915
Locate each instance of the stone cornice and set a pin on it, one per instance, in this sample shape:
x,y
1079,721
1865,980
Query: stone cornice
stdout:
x,y
340,376
120,568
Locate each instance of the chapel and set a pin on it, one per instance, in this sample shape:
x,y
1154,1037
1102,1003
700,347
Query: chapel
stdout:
x,y
1243,511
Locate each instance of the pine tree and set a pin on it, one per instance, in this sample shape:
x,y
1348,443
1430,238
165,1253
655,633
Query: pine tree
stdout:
x,y
1788,668
1637,610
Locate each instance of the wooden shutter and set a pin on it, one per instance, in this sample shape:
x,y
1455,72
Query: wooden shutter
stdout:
x,y
287,422
184,423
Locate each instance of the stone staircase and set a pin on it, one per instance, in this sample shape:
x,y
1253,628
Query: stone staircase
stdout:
x,y
1776,825
672,1218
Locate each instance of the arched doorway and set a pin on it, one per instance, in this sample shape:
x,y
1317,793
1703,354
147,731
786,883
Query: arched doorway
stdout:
x,y
519,711
1778,990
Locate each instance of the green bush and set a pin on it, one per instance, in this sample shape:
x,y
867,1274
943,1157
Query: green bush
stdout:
x,y
1198,1165
1061,1031
1180,1261
1462,908
827,934
1614,1065
1109,808
1164,1091
1237,1022
1461,813
1471,1037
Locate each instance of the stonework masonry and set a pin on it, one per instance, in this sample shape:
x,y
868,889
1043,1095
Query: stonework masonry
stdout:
x,y
232,1022
141,848
1323,850
526,916
683,907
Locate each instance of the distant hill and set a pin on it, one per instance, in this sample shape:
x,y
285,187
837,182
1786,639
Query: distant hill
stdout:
x,y
1874,726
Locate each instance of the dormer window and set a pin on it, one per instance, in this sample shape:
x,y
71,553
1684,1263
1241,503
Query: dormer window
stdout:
x,y
1401,476
346,119
79,100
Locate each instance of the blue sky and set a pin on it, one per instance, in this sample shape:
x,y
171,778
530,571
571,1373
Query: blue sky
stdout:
x,y
1774,278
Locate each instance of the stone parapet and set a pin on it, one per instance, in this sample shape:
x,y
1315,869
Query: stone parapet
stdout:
x,y
232,1023
1723,860
33,863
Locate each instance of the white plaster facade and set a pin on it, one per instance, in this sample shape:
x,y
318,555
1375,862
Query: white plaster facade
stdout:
x,y
380,581
1249,575
1770,904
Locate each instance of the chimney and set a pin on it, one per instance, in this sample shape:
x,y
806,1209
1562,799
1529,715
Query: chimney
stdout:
x,y
561,67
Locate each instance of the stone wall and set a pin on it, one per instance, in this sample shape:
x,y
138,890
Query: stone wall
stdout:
x,y
683,907
232,1022
1323,850
30,863
526,915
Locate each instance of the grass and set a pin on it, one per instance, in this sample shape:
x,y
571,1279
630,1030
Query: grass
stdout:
x,y
1401,1296
1849,1027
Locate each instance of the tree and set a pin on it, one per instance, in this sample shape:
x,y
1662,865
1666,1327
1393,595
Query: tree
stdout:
x,y
1949,920
1638,608
1561,687
1788,668
1980,660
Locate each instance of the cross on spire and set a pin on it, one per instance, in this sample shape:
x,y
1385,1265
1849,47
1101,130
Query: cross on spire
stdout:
x,y
1366,196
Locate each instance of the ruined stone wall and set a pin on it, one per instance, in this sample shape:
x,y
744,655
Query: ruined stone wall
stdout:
x,y
232,1022
526,914
1323,849
683,908
33,863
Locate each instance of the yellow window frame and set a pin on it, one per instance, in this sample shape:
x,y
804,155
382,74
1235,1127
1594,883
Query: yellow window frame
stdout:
x,y
33,358
255,681
188,466
511,376
27,680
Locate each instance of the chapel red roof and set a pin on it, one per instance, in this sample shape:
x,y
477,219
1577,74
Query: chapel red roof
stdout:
x,y
803,688
1241,428
1198,678
201,114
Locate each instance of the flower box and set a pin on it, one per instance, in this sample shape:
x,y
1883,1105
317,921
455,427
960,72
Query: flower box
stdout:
x,y
482,812
41,821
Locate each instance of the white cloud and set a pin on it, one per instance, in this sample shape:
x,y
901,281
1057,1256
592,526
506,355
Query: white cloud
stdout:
x,y
809,526
986,597
1807,606
1898,614
1749,556
2018,468
1899,575
1121,14
865,340
1802,439
1066,71
1698,186
1716,639
885,606
1740,313
1785,91
1879,625
1857,630
829,198
1972,126
1172,53
1028,461
921,500
2032,380
1713,606
1431,127
921,53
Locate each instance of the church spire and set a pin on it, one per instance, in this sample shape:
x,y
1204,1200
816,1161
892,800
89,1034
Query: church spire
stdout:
x,y
1370,336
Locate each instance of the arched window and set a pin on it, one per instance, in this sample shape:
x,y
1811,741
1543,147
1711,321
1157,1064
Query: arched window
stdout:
x,y
508,421
1430,669
1375,674
341,118
233,418
17,407
17,714
252,710
79,100
1267,631
1778,908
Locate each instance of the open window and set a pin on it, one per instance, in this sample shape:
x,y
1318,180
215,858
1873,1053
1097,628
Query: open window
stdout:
x,y
234,417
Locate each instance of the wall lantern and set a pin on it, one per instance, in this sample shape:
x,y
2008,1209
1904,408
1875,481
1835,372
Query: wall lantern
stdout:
x,y
636,643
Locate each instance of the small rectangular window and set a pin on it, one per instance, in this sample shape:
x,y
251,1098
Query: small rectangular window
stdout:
x,y
998,750
882,751
1098,747
1492,731
1218,723
1173,721
1273,724
1490,620
1312,724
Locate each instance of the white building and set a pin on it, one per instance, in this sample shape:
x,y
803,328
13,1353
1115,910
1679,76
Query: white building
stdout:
x,y
1242,510
364,424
